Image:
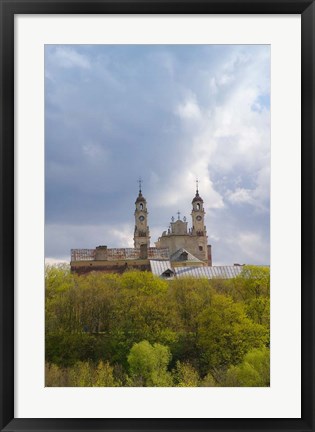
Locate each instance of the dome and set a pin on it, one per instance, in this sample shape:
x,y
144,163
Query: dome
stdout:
x,y
140,198
197,198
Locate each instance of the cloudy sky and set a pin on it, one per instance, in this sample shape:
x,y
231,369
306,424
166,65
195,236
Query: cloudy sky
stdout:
x,y
167,113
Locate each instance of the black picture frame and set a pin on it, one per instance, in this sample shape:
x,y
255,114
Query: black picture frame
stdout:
x,y
8,9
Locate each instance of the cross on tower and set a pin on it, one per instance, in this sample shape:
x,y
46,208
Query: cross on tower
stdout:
x,y
197,181
178,214
140,183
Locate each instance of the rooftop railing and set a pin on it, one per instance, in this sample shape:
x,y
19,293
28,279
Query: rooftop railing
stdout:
x,y
118,254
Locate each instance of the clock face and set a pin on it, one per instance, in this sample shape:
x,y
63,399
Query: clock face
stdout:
x,y
141,218
198,218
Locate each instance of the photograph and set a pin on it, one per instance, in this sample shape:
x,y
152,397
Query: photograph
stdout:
x,y
157,215
156,199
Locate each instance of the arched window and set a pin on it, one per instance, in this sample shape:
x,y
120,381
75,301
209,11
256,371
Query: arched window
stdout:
x,y
198,206
141,206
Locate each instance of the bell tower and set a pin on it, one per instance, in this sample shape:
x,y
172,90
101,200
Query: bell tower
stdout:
x,y
199,231
198,215
141,233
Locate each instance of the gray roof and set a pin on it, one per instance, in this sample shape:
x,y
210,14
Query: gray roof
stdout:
x,y
222,272
158,267
176,256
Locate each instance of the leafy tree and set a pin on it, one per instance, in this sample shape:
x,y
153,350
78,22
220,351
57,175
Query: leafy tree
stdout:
x,y
254,371
226,334
190,296
185,375
208,381
81,375
148,365
143,282
195,327
104,375
252,287
54,376
66,349
142,310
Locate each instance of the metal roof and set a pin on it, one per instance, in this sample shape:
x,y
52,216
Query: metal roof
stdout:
x,y
158,267
222,272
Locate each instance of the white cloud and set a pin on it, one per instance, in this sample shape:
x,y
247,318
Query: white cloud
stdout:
x,y
225,79
56,261
189,110
234,139
227,137
180,189
257,197
240,196
123,236
67,57
252,247
66,237
95,151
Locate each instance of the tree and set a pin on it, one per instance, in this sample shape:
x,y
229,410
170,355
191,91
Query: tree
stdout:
x,y
254,371
208,381
226,334
103,376
148,365
190,296
81,375
54,376
142,312
185,375
252,287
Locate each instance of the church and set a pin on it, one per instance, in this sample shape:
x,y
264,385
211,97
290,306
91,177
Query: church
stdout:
x,y
180,251
178,237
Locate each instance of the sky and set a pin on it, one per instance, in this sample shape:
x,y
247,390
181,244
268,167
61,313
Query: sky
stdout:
x,y
168,114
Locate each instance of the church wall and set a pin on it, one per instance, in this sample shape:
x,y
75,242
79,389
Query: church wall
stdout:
x,y
188,242
119,266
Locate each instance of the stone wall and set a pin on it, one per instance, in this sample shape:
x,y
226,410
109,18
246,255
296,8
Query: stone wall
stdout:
x,y
191,243
118,267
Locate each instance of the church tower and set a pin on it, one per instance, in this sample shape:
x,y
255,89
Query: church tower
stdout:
x,y
198,226
198,215
142,233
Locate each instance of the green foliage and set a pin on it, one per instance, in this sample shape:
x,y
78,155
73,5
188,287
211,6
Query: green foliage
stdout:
x,y
65,349
254,371
58,279
148,365
185,375
55,376
208,381
143,282
81,374
193,331
252,287
190,296
104,375
226,334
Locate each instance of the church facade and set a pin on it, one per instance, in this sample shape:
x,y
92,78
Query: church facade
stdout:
x,y
179,246
194,239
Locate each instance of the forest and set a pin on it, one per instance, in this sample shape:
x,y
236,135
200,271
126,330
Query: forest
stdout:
x,y
137,330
